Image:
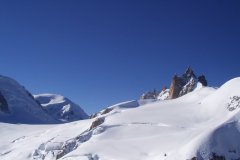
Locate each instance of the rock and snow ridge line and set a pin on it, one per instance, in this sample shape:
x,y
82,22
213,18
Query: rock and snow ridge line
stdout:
x,y
203,134
201,125
61,108
17,105
57,150
180,86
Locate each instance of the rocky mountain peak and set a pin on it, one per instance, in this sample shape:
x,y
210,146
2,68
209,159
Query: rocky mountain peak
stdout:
x,y
60,107
189,73
186,83
202,80
150,95
180,85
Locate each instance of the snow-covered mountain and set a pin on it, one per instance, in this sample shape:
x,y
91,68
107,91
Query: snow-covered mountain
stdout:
x,y
203,124
17,105
61,108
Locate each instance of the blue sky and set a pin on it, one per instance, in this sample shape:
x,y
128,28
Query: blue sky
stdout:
x,y
98,53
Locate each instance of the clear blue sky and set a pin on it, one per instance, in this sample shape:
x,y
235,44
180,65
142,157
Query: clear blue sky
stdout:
x,y
99,53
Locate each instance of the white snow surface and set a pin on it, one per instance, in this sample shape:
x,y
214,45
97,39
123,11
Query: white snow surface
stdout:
x,y
120,107
61,108
198,124
22,106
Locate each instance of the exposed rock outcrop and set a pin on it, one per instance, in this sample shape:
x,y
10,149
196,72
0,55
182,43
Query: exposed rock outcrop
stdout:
x,y
96,123
180,86
176,87
124,105
107,110
150,95
202,80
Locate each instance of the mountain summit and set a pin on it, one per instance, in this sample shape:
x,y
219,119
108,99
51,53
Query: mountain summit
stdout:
x,y
17,105
185,83
180,86
61,108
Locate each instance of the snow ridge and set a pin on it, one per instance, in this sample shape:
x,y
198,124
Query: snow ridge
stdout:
x,y
61,108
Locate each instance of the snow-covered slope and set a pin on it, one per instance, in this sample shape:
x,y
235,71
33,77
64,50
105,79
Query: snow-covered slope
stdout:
x,y
203,125
61,108
17,105
122,106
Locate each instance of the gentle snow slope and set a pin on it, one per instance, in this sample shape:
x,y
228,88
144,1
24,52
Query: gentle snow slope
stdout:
x,y
202,124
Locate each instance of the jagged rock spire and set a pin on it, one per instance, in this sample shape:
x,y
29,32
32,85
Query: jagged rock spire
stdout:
x,y
189,72
202,80
180,86
150,95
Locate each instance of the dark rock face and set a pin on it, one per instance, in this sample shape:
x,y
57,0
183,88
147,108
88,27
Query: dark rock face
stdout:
x,y
182,85
189,73
94,115
176,87
202,80
107,110
3,104
97,123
